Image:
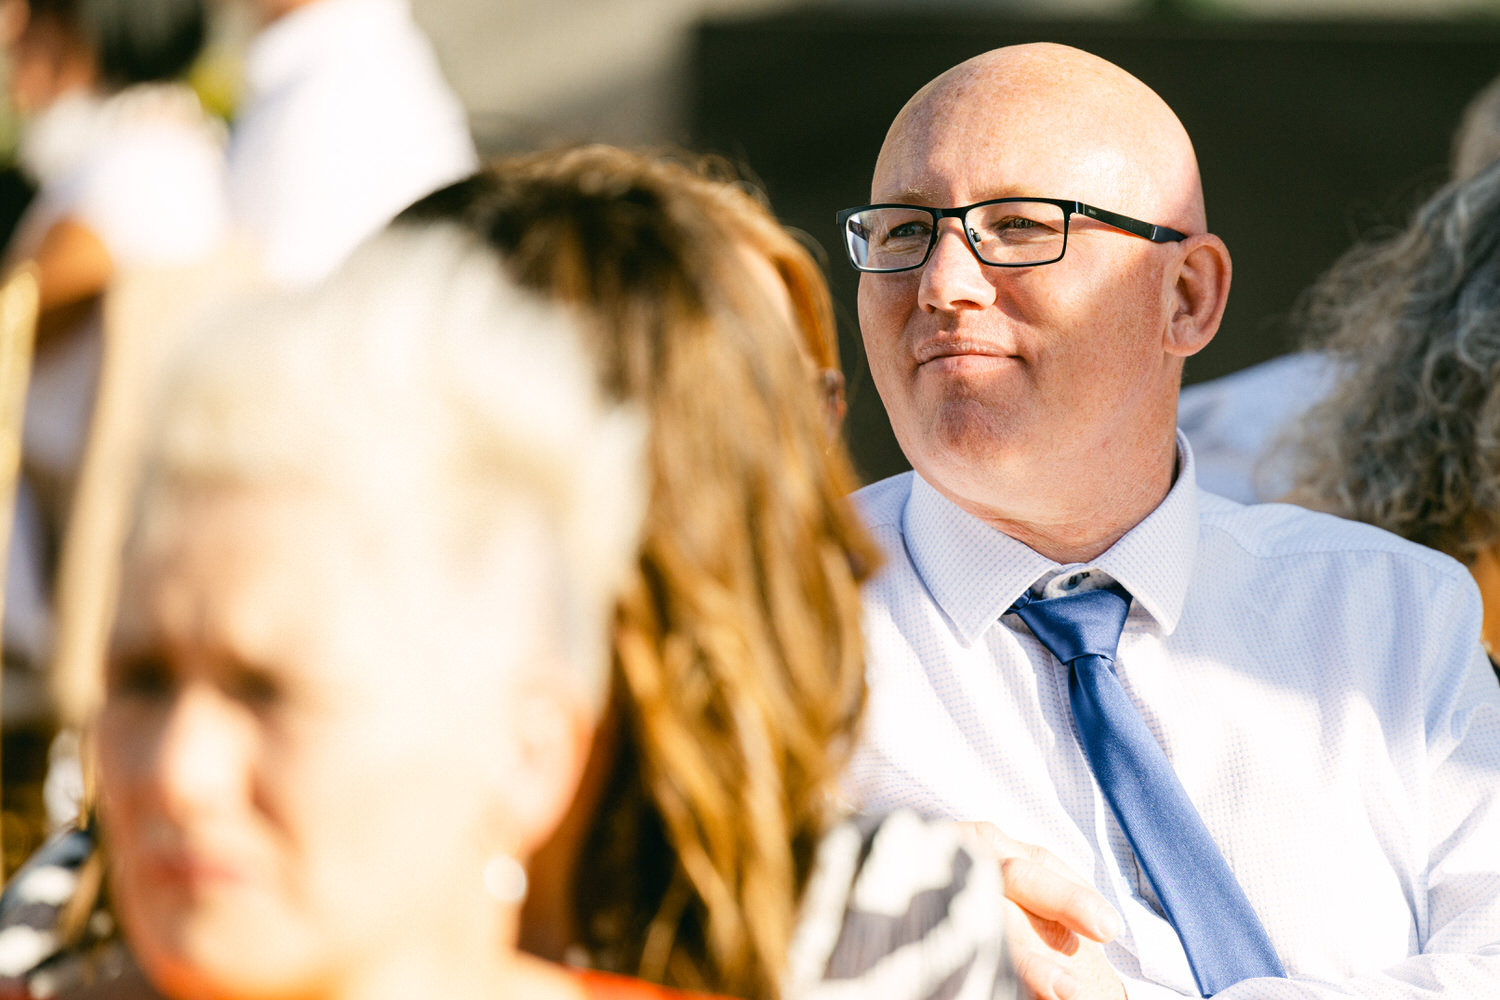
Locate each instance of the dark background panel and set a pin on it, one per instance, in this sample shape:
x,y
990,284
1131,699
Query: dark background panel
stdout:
x,y
1308,136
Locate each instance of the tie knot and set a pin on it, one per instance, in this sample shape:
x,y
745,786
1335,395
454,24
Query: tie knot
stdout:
x,y
1079,624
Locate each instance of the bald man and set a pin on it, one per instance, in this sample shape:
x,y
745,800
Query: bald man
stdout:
x,y
1280,767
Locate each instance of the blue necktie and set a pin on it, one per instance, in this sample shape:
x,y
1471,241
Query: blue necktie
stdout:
x,y
1224,940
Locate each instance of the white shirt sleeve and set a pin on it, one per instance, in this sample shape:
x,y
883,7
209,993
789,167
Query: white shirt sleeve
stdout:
x,y
154,197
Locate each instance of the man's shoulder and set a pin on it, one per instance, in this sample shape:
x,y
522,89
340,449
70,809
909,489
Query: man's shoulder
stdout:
x,y
1280,530
881,503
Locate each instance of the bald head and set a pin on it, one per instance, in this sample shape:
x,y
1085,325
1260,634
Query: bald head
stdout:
x,y
1052,121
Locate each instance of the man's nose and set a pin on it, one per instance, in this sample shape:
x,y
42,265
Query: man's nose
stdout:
x,y
953,278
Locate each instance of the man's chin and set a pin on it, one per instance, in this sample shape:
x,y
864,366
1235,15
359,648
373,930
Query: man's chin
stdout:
x,y
960,460
969,437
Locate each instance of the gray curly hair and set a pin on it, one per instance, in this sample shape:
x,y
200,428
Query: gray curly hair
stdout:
x,y
1410,440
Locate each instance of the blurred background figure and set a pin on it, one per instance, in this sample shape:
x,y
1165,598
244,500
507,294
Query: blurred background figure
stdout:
x,y
1409,439
1238,424
1476,144
129,173
1245,427
364,639
345,120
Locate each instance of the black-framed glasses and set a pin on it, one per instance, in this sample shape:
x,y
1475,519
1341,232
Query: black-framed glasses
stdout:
x,y
1003,232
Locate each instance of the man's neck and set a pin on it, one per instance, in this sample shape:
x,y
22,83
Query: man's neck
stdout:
x,y
1076,525
1061,546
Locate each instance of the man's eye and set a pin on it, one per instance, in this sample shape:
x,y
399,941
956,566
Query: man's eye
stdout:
x,y
1012,224
909,231
1013,228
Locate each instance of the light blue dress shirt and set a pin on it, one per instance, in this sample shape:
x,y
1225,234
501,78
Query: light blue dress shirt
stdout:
x,y
1317,684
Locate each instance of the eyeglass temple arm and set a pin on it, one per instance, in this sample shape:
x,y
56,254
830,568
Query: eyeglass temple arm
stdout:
x,y
1145,230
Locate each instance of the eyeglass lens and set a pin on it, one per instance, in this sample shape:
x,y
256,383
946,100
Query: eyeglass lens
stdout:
x,y
1006,233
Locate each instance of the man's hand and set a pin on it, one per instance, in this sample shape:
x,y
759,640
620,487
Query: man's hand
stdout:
x,y
1053,922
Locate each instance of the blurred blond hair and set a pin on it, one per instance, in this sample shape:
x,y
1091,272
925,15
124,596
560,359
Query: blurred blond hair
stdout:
x,y
419,388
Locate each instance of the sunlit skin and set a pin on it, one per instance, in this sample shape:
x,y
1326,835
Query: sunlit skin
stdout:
x,y
1043,399
268,11
315,735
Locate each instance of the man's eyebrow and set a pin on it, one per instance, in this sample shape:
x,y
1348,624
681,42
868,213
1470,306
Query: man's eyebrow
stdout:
x,y
910,196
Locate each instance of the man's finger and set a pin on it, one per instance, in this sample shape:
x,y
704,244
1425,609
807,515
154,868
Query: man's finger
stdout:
x,y
1053,963
1039,882
1039,890
1044,979
1053,935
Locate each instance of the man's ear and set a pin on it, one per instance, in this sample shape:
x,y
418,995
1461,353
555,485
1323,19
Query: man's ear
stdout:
x,y
1197,291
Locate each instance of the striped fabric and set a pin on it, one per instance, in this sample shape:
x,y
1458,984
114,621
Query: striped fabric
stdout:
x,y
900,908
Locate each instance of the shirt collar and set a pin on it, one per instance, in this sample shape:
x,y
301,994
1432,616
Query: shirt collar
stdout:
x,y
975,572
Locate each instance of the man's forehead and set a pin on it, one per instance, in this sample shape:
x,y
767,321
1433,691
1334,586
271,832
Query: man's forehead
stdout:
x,y
1043,122
963,157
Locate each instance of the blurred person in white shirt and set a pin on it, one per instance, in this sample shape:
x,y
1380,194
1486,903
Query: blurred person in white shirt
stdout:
x,y
346,120
1245,426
